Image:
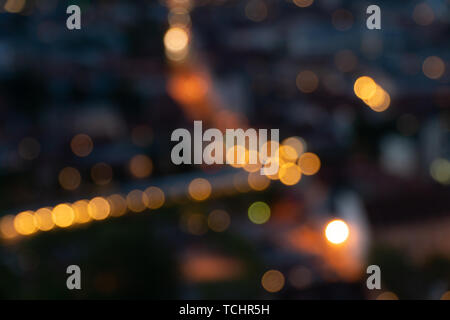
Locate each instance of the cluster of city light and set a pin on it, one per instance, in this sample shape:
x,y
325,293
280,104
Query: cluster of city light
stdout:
x,y
293,162
66,215
372,94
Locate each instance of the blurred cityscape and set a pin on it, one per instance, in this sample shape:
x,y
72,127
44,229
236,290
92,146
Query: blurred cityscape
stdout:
x,y
86,178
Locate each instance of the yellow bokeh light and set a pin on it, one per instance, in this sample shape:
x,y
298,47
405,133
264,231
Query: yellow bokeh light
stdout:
x,y
259,212
288,153
44,220
290,174
80,209
309,163
337,231
199,189
273,281
155,197
99,208
176,39
380,101
63,215
24,223
345,60
365,87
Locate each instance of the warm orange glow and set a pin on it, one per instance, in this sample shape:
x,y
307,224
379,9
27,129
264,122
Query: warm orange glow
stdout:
x,y
24,223
372,94
188,88
300,277
63,215
290,174
365,87
43,219
446,296
199,189
273,281
309,163
99,208
337,231
205,267
380,101
155,197
81,145
80,209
